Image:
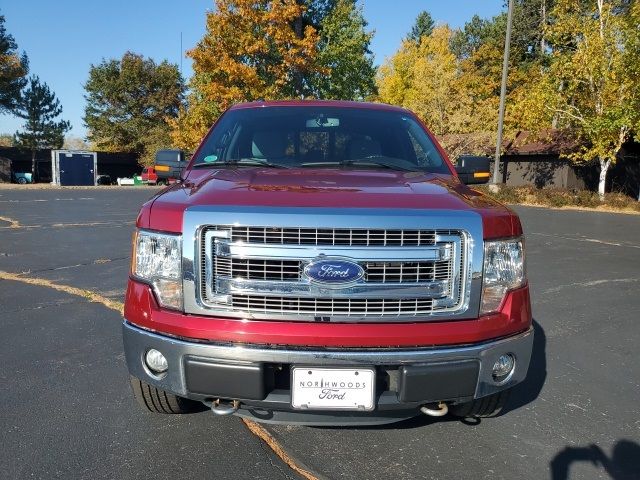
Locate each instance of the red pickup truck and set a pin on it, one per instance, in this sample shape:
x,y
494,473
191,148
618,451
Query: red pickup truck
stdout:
x,y
323,262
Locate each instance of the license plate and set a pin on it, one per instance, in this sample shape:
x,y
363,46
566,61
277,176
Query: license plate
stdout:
x,y
332,388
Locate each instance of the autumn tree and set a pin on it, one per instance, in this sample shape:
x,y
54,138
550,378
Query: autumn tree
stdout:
x,y
433,94
40,109
6,140
631,66
275,49
129,102
395,76
76,143
588,88
14,68
251,50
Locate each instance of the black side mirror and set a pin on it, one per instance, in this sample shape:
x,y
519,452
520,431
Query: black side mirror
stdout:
x,y
170,164
473,170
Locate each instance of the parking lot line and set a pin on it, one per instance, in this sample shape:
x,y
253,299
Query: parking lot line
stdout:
x,y
88,294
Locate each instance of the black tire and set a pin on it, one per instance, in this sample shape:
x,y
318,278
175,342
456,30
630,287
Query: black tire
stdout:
x,y
158,401
489,406
22,181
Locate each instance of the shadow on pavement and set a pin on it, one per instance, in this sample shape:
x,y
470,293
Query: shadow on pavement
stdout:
x,y
522,394
624,463
526,392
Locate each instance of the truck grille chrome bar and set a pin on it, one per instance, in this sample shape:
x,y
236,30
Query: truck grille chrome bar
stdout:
x,y
292,270
330,236
333,306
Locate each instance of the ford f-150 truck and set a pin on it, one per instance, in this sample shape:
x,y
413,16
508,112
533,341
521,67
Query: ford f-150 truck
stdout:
x,y
323,262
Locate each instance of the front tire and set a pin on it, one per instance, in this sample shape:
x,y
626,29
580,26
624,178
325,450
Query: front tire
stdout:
x,y
155,400
489,406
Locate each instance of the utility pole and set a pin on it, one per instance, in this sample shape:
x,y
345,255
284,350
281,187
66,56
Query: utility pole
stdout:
x,y
181,54
503,94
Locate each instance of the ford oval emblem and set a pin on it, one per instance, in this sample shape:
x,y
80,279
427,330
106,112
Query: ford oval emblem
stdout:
x,y
333,271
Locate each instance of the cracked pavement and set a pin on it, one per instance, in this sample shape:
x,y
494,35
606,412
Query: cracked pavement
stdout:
x,y
67,412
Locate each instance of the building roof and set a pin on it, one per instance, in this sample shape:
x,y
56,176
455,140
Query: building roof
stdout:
x,y
545,142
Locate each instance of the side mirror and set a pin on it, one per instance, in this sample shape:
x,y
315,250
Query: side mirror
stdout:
x,y
169,164
473,170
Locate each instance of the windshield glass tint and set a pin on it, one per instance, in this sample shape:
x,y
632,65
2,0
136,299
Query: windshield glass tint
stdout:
x,y
321,137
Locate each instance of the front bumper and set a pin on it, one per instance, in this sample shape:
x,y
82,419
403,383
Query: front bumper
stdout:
x,y
258,375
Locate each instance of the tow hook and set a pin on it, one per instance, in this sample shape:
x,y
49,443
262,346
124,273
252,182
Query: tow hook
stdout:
x,y
224,407
440,411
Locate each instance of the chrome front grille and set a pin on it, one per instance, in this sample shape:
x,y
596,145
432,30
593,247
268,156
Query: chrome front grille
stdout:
x,y
252,262
259,272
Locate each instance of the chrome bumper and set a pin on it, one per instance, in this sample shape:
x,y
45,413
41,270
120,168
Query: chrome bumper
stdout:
x,y
137,341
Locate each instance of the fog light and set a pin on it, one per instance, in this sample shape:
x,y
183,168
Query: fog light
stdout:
x,y
156,361
503,368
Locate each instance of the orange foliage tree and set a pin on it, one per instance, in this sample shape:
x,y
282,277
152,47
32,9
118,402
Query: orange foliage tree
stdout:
x,y
252,49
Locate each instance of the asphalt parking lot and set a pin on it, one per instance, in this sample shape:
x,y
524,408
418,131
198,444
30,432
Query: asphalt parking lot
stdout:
x,y
66,410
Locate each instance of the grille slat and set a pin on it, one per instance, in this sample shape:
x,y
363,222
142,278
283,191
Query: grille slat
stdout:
x,y
333,306
315,236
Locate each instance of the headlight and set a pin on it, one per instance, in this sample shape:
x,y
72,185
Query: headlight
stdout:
x,y
157,260
503,271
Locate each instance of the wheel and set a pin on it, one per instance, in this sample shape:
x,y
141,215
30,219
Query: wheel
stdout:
x,y
161,183
158,401
22,181
489,406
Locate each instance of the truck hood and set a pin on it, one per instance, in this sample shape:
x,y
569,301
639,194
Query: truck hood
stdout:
x,y
323,188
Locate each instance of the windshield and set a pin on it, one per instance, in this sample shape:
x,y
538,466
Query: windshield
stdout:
x,y
320,137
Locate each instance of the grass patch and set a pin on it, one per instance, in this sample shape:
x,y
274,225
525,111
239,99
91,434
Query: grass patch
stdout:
x,y
559,198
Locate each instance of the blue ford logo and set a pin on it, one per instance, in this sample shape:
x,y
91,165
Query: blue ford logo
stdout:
x,y
333,271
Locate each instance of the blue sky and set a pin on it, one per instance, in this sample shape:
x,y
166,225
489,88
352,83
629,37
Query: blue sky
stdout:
x,y
63,38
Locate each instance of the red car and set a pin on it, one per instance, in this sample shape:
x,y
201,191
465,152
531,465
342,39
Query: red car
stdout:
x,y
323,262
150,176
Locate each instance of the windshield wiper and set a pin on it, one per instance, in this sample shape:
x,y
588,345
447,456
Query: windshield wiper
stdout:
x,y
241,162
386,162
377,163
362,161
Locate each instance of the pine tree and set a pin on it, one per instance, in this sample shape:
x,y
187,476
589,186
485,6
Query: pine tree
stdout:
x,y
13,71
40,108
422,28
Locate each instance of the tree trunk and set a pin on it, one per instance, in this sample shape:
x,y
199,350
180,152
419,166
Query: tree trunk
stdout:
x,y
33,166
605,163
298,28
543,24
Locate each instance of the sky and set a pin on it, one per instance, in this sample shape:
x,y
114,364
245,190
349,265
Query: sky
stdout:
x,y
64,38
